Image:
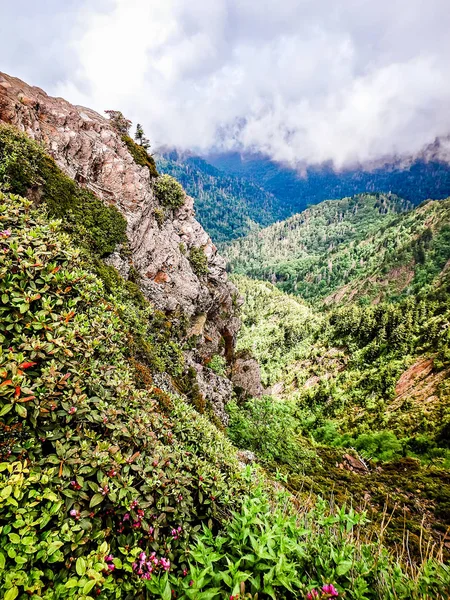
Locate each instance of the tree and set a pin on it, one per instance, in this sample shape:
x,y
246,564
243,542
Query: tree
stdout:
x,y
139,136
119,122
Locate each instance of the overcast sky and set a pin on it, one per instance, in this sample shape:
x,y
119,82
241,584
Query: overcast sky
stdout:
x,y
300,80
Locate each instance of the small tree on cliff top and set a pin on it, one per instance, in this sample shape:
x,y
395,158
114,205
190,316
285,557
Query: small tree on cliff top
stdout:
x,y
119,122
139,136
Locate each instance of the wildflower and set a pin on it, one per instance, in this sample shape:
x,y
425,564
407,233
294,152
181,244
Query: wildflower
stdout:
x,y
134,504
103,490
5,233
75,485
165,563
75,513
126,517
191,583
185,572
312,594
72,410
330,590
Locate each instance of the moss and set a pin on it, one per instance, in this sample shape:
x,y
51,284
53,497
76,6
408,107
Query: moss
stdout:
x,y
199,261
140,155
169,192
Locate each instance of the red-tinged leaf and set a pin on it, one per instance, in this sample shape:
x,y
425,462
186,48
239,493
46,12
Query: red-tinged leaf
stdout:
x,y
17,392
7,382
69,316
27,365
55,270
26,399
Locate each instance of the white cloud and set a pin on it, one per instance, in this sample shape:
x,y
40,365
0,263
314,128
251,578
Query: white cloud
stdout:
x,y
301,80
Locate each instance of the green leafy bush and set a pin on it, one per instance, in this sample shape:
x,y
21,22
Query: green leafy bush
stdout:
x,y
268,427
140,155
169,192
199,261
93,465
266,553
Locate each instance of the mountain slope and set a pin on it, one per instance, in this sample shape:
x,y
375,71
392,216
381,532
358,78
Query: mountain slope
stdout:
x,y
112,485
227,206
317,252
413,178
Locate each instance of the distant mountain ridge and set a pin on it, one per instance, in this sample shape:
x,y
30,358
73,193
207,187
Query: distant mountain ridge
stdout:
x,y
234,193
415,178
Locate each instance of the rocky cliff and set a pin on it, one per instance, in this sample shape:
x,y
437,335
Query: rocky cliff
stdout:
x,y
87,147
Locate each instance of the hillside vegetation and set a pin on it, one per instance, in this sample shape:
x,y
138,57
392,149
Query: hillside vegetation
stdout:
x,y
414,179
112,488
356,362
367,247
227,206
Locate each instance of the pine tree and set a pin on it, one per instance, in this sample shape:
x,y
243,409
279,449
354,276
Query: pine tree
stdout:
x,y
139,136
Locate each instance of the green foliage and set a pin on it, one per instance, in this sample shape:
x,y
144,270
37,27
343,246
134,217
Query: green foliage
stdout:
x,y
199,261
169,192
92,466
140,138
218,364
160,216
266,553
268,428
24,166
140,155
364,247
228,207
120,123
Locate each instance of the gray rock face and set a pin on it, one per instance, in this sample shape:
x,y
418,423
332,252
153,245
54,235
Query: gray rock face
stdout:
x,y
214,388
246,376
88,149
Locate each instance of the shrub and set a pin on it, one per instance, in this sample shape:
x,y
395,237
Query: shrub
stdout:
x,y
199,261
92,472
169,192
140,155
218,364
268,427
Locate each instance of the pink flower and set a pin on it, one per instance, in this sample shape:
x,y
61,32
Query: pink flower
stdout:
x,y
111,567
330,590
5,233
126,517
72,410
312,594
185,572
75,513
165,563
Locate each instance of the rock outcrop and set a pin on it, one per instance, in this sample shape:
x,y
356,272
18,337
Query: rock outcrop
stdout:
x,y
86,147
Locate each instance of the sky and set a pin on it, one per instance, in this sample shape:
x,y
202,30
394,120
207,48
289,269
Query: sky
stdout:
x,y
302,81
